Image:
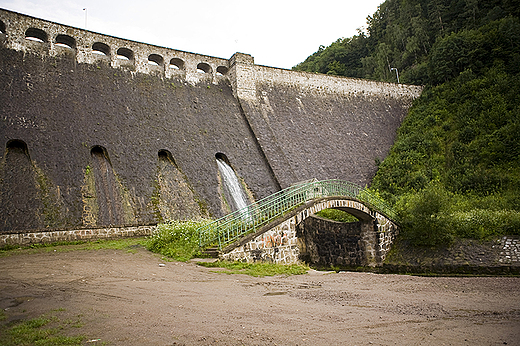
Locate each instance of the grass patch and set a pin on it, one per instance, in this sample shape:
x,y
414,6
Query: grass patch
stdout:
x,y
129,244
177,239
257,269
45,330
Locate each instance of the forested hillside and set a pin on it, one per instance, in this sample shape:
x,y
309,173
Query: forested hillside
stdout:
x,y
454,170
405,34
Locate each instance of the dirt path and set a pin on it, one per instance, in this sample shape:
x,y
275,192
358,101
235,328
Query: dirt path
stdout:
x,y
128,299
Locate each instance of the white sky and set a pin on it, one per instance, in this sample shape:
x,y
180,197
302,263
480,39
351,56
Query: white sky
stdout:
x,y
277,33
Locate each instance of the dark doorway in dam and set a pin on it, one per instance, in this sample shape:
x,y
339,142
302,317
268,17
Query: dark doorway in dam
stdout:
x,y
20,202
174,198
108,196
166,156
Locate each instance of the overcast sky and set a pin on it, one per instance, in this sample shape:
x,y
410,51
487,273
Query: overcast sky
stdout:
x,y
277,33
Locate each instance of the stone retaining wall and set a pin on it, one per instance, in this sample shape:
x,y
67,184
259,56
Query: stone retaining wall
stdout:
x,y
499,256
277,245
328,243
510,250
75,235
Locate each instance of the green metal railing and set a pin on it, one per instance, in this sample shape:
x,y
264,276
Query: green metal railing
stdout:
x,y
233,226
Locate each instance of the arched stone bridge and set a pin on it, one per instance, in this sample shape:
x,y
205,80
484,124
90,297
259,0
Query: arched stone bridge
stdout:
x,y
286,240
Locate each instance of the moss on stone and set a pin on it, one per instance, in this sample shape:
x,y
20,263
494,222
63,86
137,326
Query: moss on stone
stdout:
x,y
50,196
88,196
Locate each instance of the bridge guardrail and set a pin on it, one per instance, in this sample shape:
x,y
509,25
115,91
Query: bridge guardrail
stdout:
x,y
235,225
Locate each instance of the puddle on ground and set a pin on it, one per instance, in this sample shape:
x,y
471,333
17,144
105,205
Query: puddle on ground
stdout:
x,y
6,304
275,293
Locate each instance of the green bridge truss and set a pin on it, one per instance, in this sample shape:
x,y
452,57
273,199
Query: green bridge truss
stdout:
x,y
234,226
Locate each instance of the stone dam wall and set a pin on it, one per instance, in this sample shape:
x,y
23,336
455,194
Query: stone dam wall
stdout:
x,y
99,132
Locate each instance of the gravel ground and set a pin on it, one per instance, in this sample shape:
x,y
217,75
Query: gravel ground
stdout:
x,y
127,298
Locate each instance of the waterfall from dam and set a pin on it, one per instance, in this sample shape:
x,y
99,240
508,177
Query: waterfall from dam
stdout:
x,y
233,186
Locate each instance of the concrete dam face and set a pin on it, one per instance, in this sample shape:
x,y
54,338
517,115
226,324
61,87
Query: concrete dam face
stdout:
x,y
99,131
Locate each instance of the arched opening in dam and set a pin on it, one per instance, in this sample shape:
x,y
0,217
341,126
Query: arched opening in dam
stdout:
x,y
37,35
21,203
173,197
107,192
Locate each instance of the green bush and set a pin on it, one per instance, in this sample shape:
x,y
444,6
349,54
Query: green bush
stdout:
x,y
433,216
424,216
177,239
485,223
337,215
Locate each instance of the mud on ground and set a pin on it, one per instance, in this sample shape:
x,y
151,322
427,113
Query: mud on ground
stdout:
x,y
125,298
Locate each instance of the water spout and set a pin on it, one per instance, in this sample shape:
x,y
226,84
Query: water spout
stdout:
x,y
234,188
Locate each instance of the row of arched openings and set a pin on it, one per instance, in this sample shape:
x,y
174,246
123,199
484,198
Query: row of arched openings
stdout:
x,y
21,180
122,53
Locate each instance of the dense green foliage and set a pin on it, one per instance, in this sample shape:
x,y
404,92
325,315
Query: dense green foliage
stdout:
x,y
337,215
434,216
454,170
464,133
177,239
460,144
406,34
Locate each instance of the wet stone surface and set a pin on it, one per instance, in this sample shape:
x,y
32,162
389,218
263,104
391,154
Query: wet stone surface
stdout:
x,y
510,247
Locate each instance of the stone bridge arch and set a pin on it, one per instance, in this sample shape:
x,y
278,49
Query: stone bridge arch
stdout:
x,y
286,241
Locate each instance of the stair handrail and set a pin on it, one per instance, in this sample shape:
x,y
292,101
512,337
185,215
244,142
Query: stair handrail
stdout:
x,y
235,225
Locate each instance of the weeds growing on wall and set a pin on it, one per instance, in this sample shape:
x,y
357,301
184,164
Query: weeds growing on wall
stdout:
x,y
177,239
